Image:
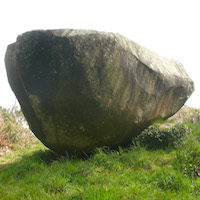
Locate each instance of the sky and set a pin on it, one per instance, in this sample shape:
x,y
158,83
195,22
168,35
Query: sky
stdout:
x,y
168,27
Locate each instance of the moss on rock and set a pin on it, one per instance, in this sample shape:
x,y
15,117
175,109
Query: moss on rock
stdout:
x,y
84,89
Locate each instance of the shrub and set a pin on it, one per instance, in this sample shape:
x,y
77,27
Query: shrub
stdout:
x,y
155,137
186,115
14,133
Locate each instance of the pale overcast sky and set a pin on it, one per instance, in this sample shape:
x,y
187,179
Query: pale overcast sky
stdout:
x,y
169,27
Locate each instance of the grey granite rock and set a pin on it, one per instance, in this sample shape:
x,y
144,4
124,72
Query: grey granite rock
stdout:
x,y
81,89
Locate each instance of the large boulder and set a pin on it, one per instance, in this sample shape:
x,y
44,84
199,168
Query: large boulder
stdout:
x,y
81,89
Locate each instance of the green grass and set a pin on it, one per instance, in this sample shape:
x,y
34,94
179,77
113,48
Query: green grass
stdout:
x,y
127,173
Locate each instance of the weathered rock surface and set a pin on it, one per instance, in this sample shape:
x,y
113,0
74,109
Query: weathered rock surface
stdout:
x,y
82,89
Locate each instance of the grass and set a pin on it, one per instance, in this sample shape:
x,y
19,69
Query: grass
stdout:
x,y
133,173
125,173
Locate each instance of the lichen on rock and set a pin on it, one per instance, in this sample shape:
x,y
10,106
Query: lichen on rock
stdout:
x,y
81,89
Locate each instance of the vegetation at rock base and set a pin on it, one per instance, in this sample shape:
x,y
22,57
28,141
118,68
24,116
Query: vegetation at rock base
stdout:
x,y
13,132
171,170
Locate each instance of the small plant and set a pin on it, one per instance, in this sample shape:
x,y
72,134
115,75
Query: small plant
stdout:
x,y
187,159
155,137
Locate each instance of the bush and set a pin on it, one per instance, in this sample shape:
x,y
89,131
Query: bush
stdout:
x,y
155,137
14,132
186,115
